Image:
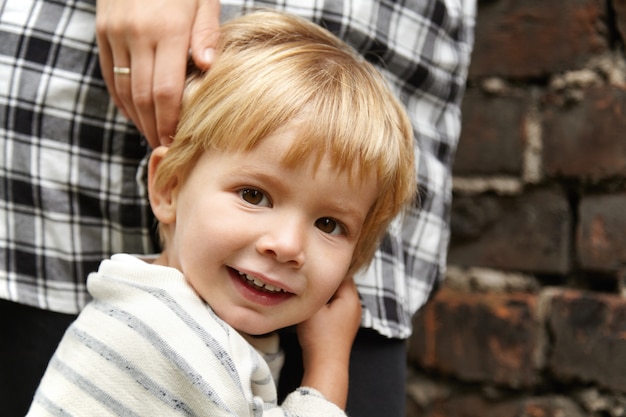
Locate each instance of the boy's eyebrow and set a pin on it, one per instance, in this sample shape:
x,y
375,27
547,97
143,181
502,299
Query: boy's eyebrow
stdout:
x,y
354,217
346,213
258,172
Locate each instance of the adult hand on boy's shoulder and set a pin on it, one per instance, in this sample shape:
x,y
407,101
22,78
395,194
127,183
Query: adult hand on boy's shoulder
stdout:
x,y
149,42
326,340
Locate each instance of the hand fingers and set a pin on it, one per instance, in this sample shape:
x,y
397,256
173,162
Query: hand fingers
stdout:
x,y
106,66
335,322
135,37
114,59
347,289
122,86
347,302
106,54
205,33
136,91
167,88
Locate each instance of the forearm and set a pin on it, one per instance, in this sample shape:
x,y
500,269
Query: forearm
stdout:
x,y
326,341
330,377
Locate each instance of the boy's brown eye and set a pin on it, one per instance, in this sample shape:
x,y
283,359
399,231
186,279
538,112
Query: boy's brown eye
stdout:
x,y
254,197
328,225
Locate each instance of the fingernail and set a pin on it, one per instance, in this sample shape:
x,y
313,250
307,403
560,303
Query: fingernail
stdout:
x,y
209,55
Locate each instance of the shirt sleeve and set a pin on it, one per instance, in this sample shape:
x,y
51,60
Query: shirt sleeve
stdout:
x,y
307,402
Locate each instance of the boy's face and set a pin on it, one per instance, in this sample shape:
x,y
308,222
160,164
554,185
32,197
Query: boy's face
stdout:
x,y
264,245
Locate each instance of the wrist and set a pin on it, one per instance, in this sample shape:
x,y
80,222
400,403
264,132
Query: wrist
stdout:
x,y
330,377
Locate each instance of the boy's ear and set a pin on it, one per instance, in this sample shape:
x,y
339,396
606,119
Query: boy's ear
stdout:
x,y
162,196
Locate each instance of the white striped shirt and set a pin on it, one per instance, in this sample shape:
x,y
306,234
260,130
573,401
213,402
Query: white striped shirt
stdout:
x,y
147,345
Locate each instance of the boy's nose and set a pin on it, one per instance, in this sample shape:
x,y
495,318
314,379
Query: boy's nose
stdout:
x,y
285,241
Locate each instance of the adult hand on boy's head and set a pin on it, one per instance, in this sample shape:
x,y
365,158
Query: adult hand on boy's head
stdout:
x,y
152,39
326,340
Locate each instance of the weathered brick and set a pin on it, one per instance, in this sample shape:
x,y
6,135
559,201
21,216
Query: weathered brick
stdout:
x,y
586,139
589,338
492,135
548,406
620,16
528,233
479,337
601,232
471,406
534,38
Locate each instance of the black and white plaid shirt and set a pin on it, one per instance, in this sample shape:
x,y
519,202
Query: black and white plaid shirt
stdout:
x,y
70,195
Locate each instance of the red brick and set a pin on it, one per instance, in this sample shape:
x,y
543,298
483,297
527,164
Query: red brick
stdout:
x,y
472,406
492,135
529,233
548,406
533,38
476,405
601,232
586,139
589,338
479,337
460,406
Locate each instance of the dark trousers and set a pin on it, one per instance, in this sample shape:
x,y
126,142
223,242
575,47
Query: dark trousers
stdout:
x,y
29,336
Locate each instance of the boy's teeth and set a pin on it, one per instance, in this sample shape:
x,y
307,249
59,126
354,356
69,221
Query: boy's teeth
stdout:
x,y
259,284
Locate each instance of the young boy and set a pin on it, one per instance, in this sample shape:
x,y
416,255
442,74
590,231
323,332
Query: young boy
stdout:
x,y
290,160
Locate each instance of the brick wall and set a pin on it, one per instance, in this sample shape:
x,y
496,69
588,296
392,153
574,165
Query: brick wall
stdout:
x,y
531,321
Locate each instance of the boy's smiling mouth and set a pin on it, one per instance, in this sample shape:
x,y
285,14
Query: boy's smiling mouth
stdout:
x,y
257,284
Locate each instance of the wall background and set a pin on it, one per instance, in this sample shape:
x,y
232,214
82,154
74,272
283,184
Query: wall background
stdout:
x,y
531,321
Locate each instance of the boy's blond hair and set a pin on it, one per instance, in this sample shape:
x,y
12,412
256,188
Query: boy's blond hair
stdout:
x,y
273,70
